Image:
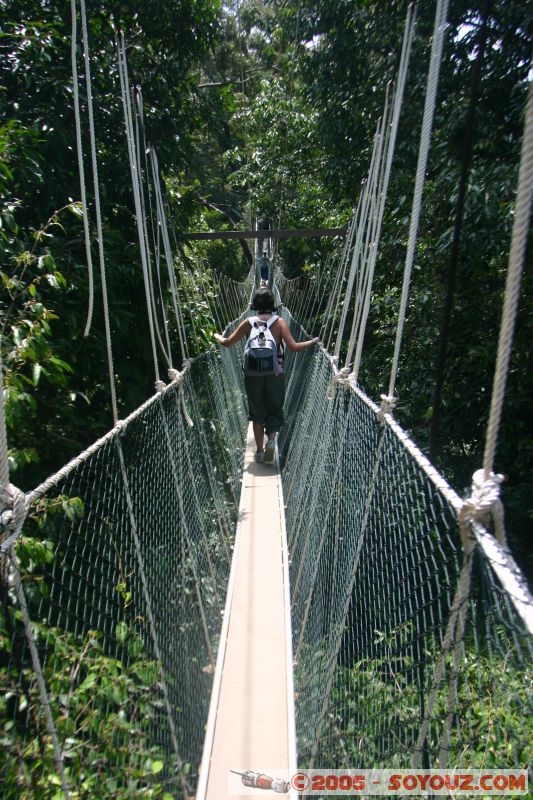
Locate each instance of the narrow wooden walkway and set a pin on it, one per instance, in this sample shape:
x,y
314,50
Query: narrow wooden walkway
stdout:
x,y
251,717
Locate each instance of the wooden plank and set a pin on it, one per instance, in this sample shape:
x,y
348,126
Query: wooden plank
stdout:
x,y
274,234
249,724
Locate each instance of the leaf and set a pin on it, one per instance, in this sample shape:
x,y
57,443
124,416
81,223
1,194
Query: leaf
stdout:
x,y
58,362
76,209
147,672
37,369
89,682
121,632
157,766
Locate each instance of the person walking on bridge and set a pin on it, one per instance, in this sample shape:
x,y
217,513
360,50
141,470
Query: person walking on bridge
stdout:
x,y
265,269
264,380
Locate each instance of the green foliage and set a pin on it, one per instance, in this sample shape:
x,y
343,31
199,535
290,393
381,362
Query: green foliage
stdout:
x,y
56,380
108,707
375,717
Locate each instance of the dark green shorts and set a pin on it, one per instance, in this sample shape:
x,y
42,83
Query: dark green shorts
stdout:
x,y
266,394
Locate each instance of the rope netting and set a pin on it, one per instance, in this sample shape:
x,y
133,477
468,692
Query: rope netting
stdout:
x,y
395,663
123,562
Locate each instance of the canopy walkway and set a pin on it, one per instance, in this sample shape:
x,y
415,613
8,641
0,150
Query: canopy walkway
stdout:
x,y
173,611
251,719
120,585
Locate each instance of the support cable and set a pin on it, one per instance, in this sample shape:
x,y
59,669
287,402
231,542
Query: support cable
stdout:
x,y
99,230
423,153
367,274
392,131
162,223
521,222
81,169
136,181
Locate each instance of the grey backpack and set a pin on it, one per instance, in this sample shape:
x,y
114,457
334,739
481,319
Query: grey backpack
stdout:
x,y
261,350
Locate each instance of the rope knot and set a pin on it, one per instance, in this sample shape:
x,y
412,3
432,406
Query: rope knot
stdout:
x,y
159,385
12,514
176,375
343,378
388,404
483,506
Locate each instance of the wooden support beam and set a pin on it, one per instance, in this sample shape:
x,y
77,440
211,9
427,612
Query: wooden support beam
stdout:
x,y
265,234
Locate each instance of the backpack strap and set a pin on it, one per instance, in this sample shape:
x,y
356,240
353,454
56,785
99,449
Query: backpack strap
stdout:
x,y
274,318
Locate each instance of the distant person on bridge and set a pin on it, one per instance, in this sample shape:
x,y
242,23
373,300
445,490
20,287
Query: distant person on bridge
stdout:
x,y
263,370
264,267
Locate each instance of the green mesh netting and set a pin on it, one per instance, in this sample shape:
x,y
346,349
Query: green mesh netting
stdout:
x,y
375,559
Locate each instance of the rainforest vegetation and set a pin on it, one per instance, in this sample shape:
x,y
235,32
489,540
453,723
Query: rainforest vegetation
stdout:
x,y
259,110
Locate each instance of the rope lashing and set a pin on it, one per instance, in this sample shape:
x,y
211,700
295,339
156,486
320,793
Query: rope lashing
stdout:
x,y
343,378
484,506
13,514
160,385
177,377
388,404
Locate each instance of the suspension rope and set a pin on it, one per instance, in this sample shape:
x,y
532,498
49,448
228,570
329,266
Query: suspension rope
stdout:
x,y
140,149
392,130
81,168
368,274
99,229
423,153
136,181
162,224
521,222
334,299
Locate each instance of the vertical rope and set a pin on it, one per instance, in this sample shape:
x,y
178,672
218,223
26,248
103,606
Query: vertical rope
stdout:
x,y
136,182
512,287
98,212
328,324
81,169
367,273
139,150
423,153
162,222
409,30
4,462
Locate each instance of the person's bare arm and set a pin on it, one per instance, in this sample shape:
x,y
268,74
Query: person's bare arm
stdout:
x,y
240,331
289,339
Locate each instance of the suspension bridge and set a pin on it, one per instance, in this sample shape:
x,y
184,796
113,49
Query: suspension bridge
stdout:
x,y
177,611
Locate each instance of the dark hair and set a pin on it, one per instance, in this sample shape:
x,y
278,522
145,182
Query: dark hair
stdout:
x,y
263,300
